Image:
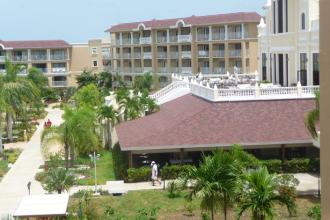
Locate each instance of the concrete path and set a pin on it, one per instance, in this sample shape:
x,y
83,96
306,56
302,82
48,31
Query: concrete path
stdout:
x,y
14,184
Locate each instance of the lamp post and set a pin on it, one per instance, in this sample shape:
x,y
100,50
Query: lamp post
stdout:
x,y
95,157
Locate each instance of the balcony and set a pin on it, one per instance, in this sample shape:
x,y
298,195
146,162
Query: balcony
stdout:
x,y
145,40
235,53
219,70
234,35
116,56
173,39
202,37
147,69
137,55
117,42
23,72
218,53
44,70
138,70
39,57
59,83
59,70
126,41
162,70
106,56
174,54
58,57
19,58
218,36
205,70
162,55
184,38
175,70
127,70
2,58
147,55
161,39
136,40
186,70
2,70
126,56
186,55
203,53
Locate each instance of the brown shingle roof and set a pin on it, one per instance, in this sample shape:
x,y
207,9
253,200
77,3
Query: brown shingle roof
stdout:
x,y
193,20
35,44
193,122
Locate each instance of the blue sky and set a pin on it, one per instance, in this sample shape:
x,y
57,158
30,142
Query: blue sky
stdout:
x,y
79,20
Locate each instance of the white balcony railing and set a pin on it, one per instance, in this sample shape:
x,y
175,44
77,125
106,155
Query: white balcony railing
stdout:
x,y
147,69
59,70
203,53
137,55
202,37
173,38
186,54
136,40
147,55
58,57
126,56
184,38
162,70
174,54
161,39
175,70
2,70
235,53
59,83
205,70
126,41
145,40
19,58
2,58
219,70
234,35
39,57
218,53
138,70
186,70
126,70
162,55
218,36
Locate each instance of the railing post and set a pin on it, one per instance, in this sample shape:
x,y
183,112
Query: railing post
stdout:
x,y
299,89
215,92
257,90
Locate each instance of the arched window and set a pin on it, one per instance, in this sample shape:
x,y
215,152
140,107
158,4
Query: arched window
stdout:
x,y
303,21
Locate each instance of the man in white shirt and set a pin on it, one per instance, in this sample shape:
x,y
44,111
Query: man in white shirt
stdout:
x,y
154,173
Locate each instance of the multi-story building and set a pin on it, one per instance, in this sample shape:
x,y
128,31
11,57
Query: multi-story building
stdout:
x,y
289,42
198,44
57,59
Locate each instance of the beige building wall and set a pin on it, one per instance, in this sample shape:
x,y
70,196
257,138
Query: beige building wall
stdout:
x,y
325,107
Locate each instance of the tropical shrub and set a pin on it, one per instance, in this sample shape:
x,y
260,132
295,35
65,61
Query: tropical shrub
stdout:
x,y
296,166
315,212
120,163
173,171
273,166
173,190
138,174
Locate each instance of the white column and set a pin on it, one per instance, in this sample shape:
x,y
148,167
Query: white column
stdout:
x,y
131,37
121,38
226,32
210,33
168,35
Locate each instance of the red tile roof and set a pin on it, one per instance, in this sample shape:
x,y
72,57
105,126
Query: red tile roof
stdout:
x,y
35,44
193,122
193,20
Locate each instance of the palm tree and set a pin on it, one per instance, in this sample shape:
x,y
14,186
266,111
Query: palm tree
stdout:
x,y
16,90
149,104
111,116
313,117
2,110
58,179
215,181
260,193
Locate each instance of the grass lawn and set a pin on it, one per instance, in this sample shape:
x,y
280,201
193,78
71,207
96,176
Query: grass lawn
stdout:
x,y
104,169
11,157
127,206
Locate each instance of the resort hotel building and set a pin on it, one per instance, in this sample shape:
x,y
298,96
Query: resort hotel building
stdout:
x,y
60,61
289,42
211,45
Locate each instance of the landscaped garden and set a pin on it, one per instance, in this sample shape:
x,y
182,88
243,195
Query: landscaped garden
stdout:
x,y
7,159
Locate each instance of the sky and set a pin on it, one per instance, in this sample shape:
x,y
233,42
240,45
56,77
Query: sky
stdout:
x,y
76,21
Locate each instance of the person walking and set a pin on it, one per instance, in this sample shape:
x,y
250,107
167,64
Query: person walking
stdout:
x,y
154,173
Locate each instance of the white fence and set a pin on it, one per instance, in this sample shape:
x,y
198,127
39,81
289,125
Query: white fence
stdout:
x,y
174,85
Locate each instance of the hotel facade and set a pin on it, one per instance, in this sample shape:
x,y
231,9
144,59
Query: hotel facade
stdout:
x,y
60,61
198,44
289,42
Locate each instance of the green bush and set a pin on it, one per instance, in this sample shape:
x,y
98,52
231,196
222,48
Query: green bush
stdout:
x,y
273,166
41,176
315,212
173,190
314,165
138,174
296,166
120,162
173,171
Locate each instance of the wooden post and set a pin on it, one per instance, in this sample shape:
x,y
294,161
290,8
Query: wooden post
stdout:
x,y
181,155
130,159
283,153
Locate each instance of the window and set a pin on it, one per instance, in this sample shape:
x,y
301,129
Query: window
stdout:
x,y
303,21
95,63
264,66
94,50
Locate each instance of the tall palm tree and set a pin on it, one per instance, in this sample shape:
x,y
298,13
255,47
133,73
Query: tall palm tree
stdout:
x,y
149,105
215,181
16,90
260,194
313,117
3,106
111,116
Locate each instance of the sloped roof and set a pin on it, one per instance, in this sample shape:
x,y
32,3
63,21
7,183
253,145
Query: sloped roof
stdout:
x,y
193,20
189,122
35,44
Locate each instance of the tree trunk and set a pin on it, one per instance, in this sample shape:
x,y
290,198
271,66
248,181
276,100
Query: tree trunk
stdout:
x,y
66,152
1,149
108,134
212,212
71,156
9,127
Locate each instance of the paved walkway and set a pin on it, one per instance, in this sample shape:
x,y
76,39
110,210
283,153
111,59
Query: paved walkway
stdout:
x,y
14,184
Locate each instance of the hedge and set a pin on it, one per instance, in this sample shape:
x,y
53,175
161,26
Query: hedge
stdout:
x,y
273,166
120,162
296,165
138,174
173,171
